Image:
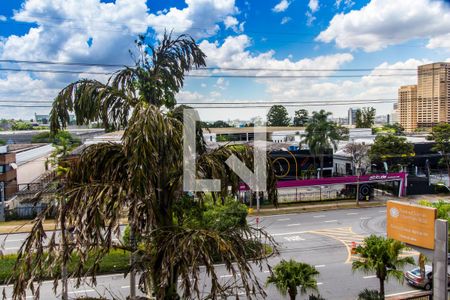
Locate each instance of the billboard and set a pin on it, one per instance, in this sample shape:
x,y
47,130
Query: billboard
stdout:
x,y
411,224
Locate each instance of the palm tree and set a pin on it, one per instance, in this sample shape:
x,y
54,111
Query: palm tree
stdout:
x,y
321,135
142,179
381,256
290,275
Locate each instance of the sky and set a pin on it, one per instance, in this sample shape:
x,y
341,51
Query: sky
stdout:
x,y
346,52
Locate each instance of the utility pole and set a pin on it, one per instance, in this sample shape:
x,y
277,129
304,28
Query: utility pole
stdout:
x,y
2,201
133,271
357,187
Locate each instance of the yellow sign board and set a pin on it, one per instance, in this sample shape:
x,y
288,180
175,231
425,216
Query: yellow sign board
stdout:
x,y
411,224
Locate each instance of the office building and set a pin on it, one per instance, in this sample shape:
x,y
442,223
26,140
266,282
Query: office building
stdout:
x,y
433,91
352,116
407,106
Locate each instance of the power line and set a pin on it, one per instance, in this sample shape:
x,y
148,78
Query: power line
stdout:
x,y
212,75
215,68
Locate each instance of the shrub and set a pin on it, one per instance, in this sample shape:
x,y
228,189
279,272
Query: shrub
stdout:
x,y
367,294
314,297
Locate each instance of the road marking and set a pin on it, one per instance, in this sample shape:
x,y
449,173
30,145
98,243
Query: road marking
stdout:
x,y
319,216
330,221
364,218
382,211
125,287
12,248
226,276
82,291
349,214
285,219
319,283
8,240
296,224
295,238
289,233
267,271
319,266
370,276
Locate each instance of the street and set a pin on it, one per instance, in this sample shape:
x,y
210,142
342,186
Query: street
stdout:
x,y
320,238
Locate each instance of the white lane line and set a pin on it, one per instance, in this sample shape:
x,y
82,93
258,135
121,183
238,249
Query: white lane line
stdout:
x,y
319,283
226,276
319,266
382,211
330,221
12,248
81,291
8,240
267,271
295,238
285,219
319,216
288,233
370,276
290,225
364,218
349,214
125,287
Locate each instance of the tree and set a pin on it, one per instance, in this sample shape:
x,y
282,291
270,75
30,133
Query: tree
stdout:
x,y
440,134
359,154
322,135
367,294
365,118
219,124
290,275
21,125
301,117
142,178
278,116
394,150
381,256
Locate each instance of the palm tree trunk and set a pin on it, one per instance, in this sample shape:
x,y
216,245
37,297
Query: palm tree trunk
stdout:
x,y
321,165
381,288
292,294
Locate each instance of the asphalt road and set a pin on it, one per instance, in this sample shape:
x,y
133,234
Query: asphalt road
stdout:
x,y
322,239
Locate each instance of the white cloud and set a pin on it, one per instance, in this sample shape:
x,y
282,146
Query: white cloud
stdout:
x,y
3,18
233,23
347,4
285,20
313,5
282,6
199,18
384,22
230,22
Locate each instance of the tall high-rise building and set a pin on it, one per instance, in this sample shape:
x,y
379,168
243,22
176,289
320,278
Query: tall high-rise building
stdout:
x,y
407,105
433,94
352,115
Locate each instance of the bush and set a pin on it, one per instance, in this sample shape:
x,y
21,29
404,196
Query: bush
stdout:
x,y
223,217
21,125
47,137
367,294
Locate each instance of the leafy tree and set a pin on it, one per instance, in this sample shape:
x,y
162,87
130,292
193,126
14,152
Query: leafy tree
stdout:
x,y
55,138
142,178
440,134
321,135
301,117
365,118
381,256
219,124
394,150
396,129
359,154
289,276
278,116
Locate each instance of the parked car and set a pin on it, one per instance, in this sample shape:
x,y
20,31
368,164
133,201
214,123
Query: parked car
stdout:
x,y
414,278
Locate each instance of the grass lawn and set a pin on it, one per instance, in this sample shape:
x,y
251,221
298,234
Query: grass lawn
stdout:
x,y
115,262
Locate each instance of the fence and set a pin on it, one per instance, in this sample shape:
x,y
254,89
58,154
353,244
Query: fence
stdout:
x,y
27,212
413,296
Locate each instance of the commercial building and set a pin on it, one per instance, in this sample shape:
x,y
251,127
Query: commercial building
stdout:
x,y
427,103
352,115
433,93
407,105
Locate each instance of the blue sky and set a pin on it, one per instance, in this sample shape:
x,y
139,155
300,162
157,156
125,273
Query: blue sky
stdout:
x,y
381,36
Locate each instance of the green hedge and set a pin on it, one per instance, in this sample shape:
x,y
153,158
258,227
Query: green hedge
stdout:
x,y
117,261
